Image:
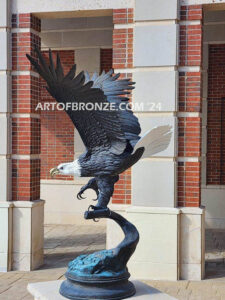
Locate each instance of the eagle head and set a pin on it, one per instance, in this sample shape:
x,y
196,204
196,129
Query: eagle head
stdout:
x,y
71,168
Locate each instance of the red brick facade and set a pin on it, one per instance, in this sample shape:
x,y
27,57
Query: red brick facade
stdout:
x,y
26,130
57,130
122,59
25,121
189,128
216,115
105,60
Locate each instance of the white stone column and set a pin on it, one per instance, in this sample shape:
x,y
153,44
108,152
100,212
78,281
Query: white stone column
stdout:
x,y
5,140
153,208
171,243
155,61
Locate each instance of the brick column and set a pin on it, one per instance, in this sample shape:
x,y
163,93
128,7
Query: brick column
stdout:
x,y
28,211
189,116
189,144
122,62
25,120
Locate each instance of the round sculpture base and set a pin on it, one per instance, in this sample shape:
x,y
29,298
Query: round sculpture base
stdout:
x,y
110,290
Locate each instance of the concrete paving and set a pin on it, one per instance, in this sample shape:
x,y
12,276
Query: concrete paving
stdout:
x,y
65,242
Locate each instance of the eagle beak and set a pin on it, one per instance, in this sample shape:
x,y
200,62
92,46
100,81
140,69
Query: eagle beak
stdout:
x,y
54,171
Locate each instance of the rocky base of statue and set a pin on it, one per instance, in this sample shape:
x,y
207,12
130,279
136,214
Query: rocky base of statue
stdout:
x,y
103,274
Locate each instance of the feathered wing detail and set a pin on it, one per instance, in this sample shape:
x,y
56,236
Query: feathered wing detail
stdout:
x,y
115,90
109,129
155,140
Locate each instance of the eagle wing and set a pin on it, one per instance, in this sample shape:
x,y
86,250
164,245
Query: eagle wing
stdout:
x,y
109,128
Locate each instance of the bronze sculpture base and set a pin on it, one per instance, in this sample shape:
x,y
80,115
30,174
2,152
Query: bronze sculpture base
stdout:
x,y
103,274
97,290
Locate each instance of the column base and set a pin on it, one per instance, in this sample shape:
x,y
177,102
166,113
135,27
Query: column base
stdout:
x,y
171,243
192,243
28,235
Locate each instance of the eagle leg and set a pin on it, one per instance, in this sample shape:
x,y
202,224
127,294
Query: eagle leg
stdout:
x,y
92,184
106,189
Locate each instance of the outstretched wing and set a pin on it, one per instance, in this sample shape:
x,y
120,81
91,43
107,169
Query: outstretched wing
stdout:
x,y
97,128
115,90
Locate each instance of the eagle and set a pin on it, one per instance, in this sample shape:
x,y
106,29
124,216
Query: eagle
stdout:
x,y
109,130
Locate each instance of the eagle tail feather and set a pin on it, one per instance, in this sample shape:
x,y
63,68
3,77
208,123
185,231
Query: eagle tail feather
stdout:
x,y
155,140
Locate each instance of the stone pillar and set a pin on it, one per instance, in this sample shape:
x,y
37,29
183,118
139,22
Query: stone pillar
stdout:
x,y
168,232
28,211
5,140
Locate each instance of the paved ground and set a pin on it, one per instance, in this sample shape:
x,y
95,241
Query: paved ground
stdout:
x,y
63,243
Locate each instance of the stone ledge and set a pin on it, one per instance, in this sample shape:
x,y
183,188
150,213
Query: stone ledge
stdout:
x,y
145,209
28,204
49,290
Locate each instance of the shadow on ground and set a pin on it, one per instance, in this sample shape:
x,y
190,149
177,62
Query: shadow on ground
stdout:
x,y
64,243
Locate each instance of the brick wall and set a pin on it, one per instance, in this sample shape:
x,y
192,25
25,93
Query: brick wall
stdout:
x,y
189,127
216,115
25,121
57,130
105,60
122,59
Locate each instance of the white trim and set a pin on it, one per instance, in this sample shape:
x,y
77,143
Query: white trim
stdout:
x,y
159,158
25,73
144,209
145,69
32,115
193,22
3,29
197,2
5,114
24,30
153,210
156,113
153,23
25,157
192,210
57,6
189,114
188,159
76,48
57,182
28,204
189,69
6,204
5,156
124,26
5,72
78,29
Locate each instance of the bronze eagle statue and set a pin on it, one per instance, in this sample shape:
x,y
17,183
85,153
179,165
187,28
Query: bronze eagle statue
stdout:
x,y
111,136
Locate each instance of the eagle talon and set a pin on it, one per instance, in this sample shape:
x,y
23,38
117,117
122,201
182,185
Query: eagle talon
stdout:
x,y
91,207
79,196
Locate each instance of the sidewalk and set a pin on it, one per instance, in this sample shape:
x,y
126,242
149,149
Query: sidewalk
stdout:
x,y
64,242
